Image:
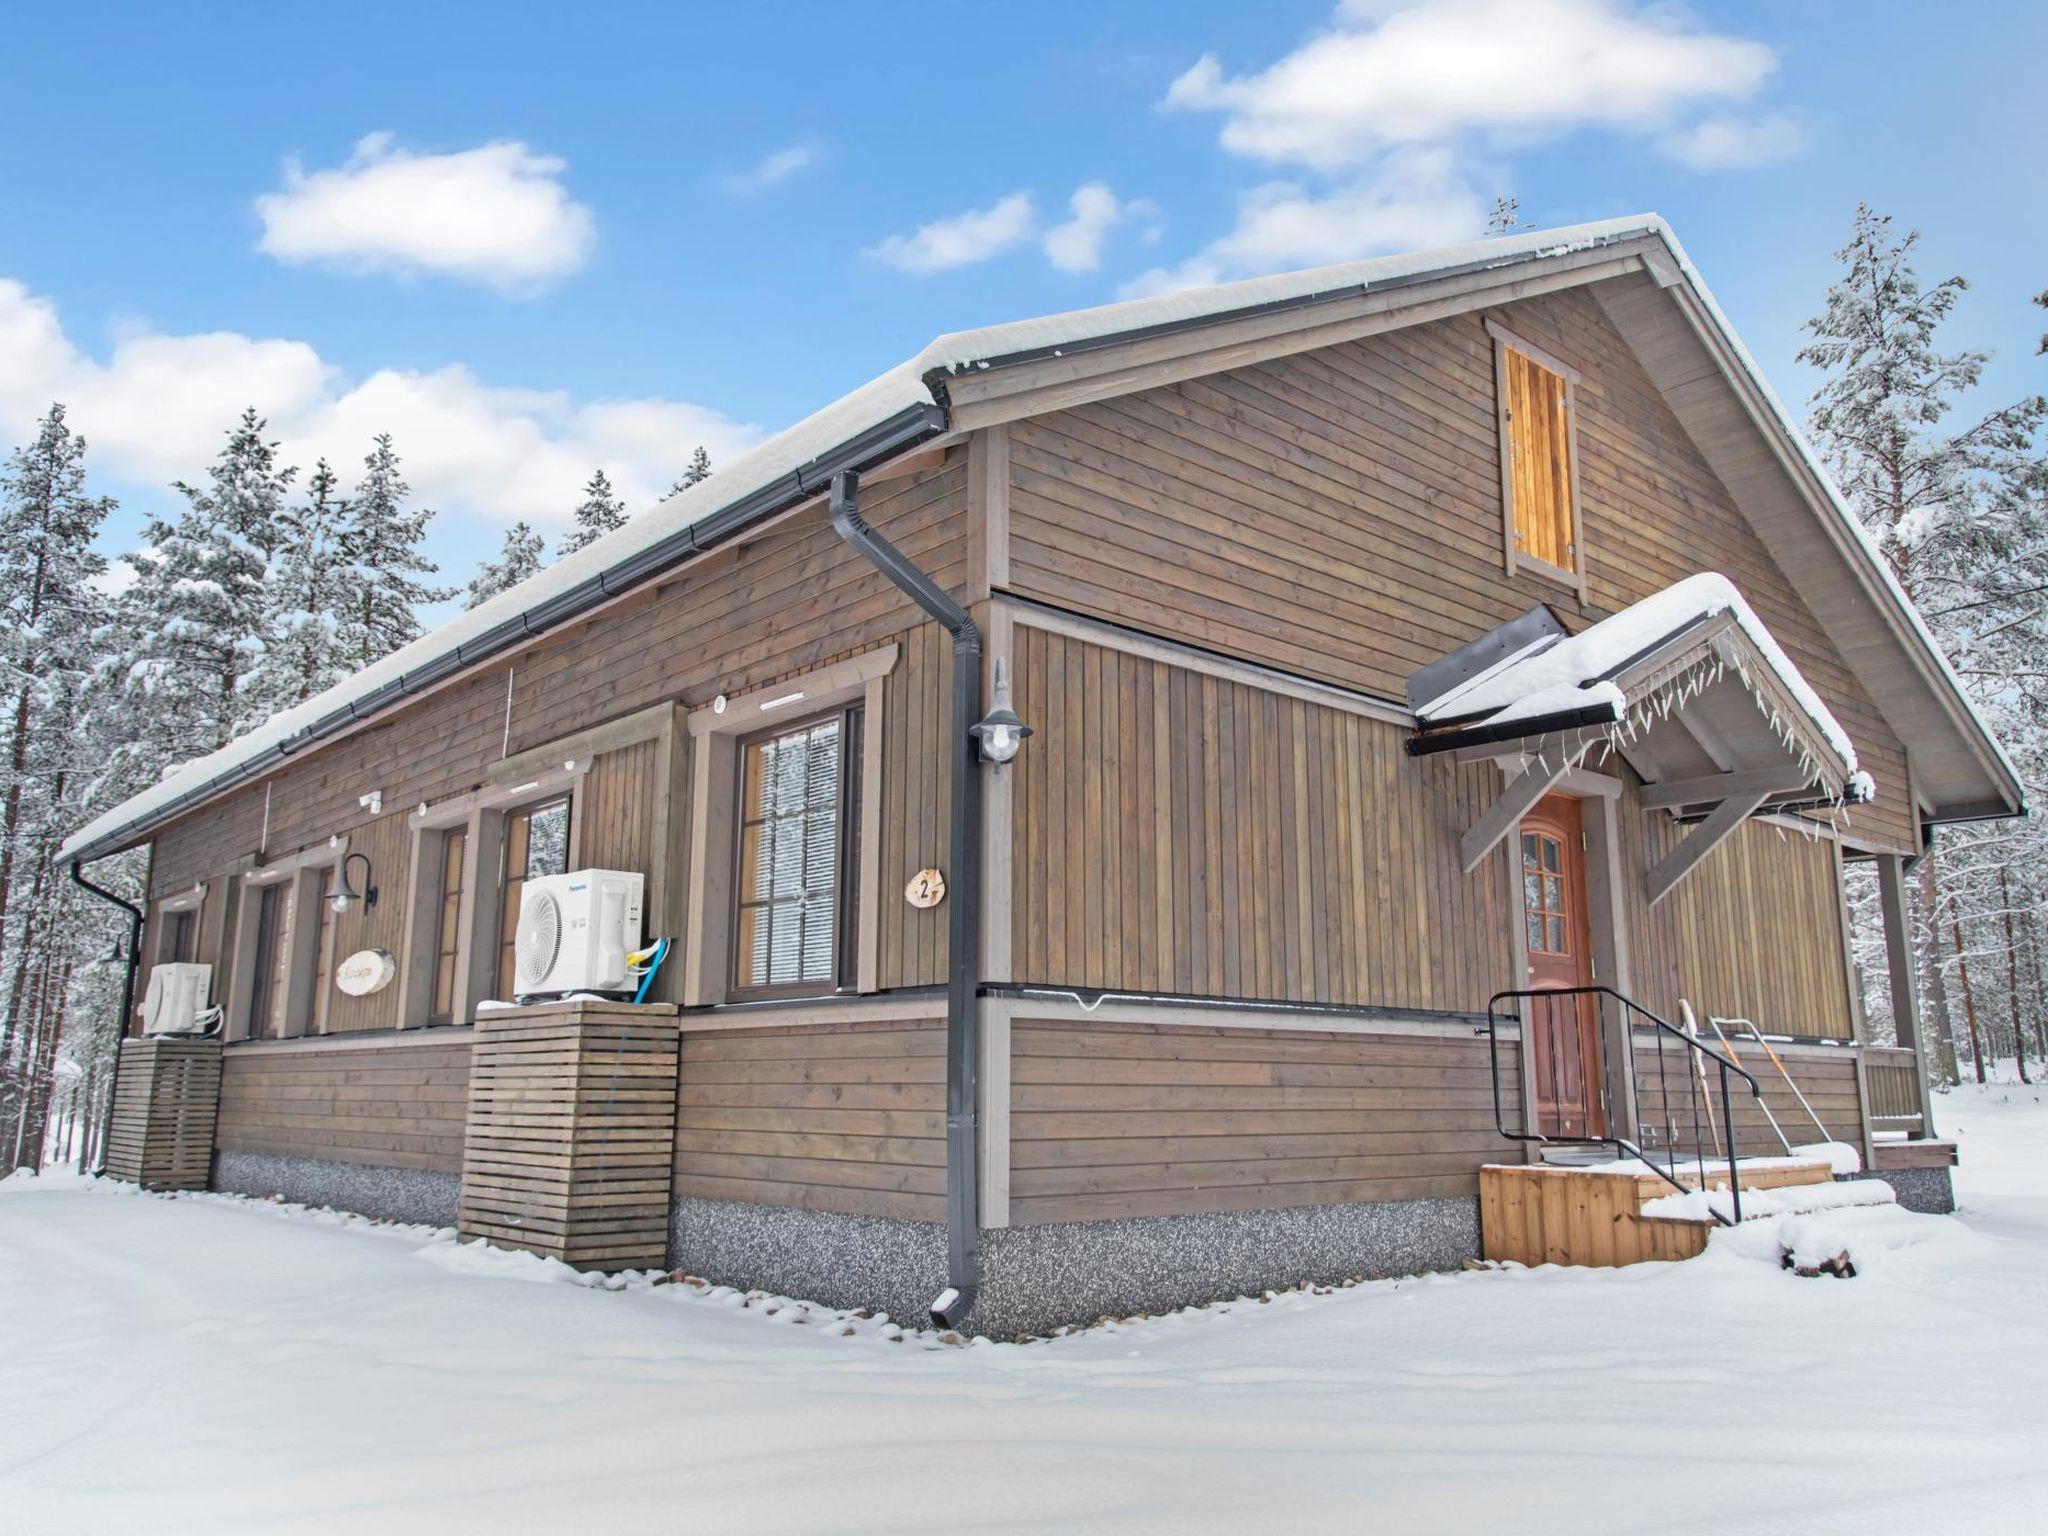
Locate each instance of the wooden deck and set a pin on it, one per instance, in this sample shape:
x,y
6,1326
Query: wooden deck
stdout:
x,y
1887,1156
1536,1214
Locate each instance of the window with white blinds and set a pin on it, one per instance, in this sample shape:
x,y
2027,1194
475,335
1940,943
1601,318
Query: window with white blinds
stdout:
x,y
798,788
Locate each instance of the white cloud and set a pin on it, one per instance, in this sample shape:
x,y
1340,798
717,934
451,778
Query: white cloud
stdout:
x,y
497,214
770,171
1413,199
1730,143
1432,71
961,240
155,409
1076,245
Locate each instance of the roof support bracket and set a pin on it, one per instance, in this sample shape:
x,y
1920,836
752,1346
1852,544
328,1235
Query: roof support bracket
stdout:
x,y
1516,801
1705,838
1711,788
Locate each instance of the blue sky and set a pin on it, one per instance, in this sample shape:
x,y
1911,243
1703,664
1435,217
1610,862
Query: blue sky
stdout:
x,y
527,240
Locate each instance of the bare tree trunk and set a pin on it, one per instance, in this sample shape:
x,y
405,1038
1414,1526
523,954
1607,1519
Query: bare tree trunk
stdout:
x,y
2038,995
1969,998
2012,975
1943,1024
89,1118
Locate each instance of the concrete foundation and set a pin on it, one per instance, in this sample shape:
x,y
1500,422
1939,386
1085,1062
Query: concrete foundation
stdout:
x,y
1931,1191
1036,1278
394,1194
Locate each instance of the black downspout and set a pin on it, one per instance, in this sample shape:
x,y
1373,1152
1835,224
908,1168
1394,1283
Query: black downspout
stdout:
x,y
963,931
127,994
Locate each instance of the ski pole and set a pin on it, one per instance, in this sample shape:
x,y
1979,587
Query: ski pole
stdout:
x,y
1729,1046
1757,1035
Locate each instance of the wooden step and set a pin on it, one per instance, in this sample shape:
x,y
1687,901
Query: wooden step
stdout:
x,y
1534,1213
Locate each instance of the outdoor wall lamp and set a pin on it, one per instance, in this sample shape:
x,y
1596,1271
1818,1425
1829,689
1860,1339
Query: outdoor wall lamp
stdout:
x,y
347,895
1000,733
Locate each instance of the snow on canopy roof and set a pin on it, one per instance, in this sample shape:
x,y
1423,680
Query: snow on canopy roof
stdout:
x,y
1559,674
903,387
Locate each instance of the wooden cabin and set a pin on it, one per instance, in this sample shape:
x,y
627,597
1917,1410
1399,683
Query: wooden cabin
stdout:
x,y
1390,637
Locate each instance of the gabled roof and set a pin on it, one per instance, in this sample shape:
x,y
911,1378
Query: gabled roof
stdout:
x,y
909,405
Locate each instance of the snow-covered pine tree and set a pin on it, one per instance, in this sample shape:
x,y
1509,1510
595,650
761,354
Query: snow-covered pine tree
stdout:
x,y
51,611
601,511
1880,421
699,470
200,608
378,608
518,559
1958,514
309,585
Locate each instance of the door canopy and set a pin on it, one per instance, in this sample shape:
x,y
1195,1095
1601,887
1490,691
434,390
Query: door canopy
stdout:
x,y
1687,686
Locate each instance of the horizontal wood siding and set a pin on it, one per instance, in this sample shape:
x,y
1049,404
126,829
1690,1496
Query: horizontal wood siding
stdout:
x,y
160,1132
1119,1120
566,1151
393,1106
1666,1112
829,1117
615,824
1178,833
783,603
1338,513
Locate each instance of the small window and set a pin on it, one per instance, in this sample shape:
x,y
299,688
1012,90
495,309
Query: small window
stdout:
x,y
536,845
448,927
272,959
1536,463
799,792
323,949
1543,894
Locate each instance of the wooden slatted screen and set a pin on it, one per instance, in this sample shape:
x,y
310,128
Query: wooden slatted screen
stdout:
x,y
1537,421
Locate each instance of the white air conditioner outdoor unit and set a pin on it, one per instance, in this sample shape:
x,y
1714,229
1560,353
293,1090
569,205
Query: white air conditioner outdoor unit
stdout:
x,y
175,1001
575,931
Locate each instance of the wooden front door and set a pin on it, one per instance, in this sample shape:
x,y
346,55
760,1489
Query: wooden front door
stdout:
x,y
1563,1039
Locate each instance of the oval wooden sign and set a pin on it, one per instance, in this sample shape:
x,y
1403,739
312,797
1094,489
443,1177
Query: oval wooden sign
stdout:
x,y
365,971
927,888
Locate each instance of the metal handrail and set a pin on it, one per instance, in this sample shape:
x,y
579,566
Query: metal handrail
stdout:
x,y
1621,1144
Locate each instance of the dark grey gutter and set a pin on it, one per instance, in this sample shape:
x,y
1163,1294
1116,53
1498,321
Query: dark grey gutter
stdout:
x,y
877,444
1515,730
963,926
127,991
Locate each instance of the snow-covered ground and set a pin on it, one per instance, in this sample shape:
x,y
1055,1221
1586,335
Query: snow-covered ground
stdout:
x,y
209,1364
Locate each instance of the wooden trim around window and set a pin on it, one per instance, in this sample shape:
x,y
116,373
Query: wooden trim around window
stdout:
x,y
714,797
1574,576
845,858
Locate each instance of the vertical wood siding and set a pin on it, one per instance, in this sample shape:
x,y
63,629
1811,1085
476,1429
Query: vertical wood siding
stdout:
x,y
1120,1120
1178,833
829,1117
616,819
917,799
395,1106
1754,932
387,842
1338,513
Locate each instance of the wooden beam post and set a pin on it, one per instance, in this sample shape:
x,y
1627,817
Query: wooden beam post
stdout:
x,y
1721,822
1898,954
1516,800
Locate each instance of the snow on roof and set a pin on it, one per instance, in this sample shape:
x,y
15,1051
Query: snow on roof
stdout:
x,y
888,395
870,405
1555,674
